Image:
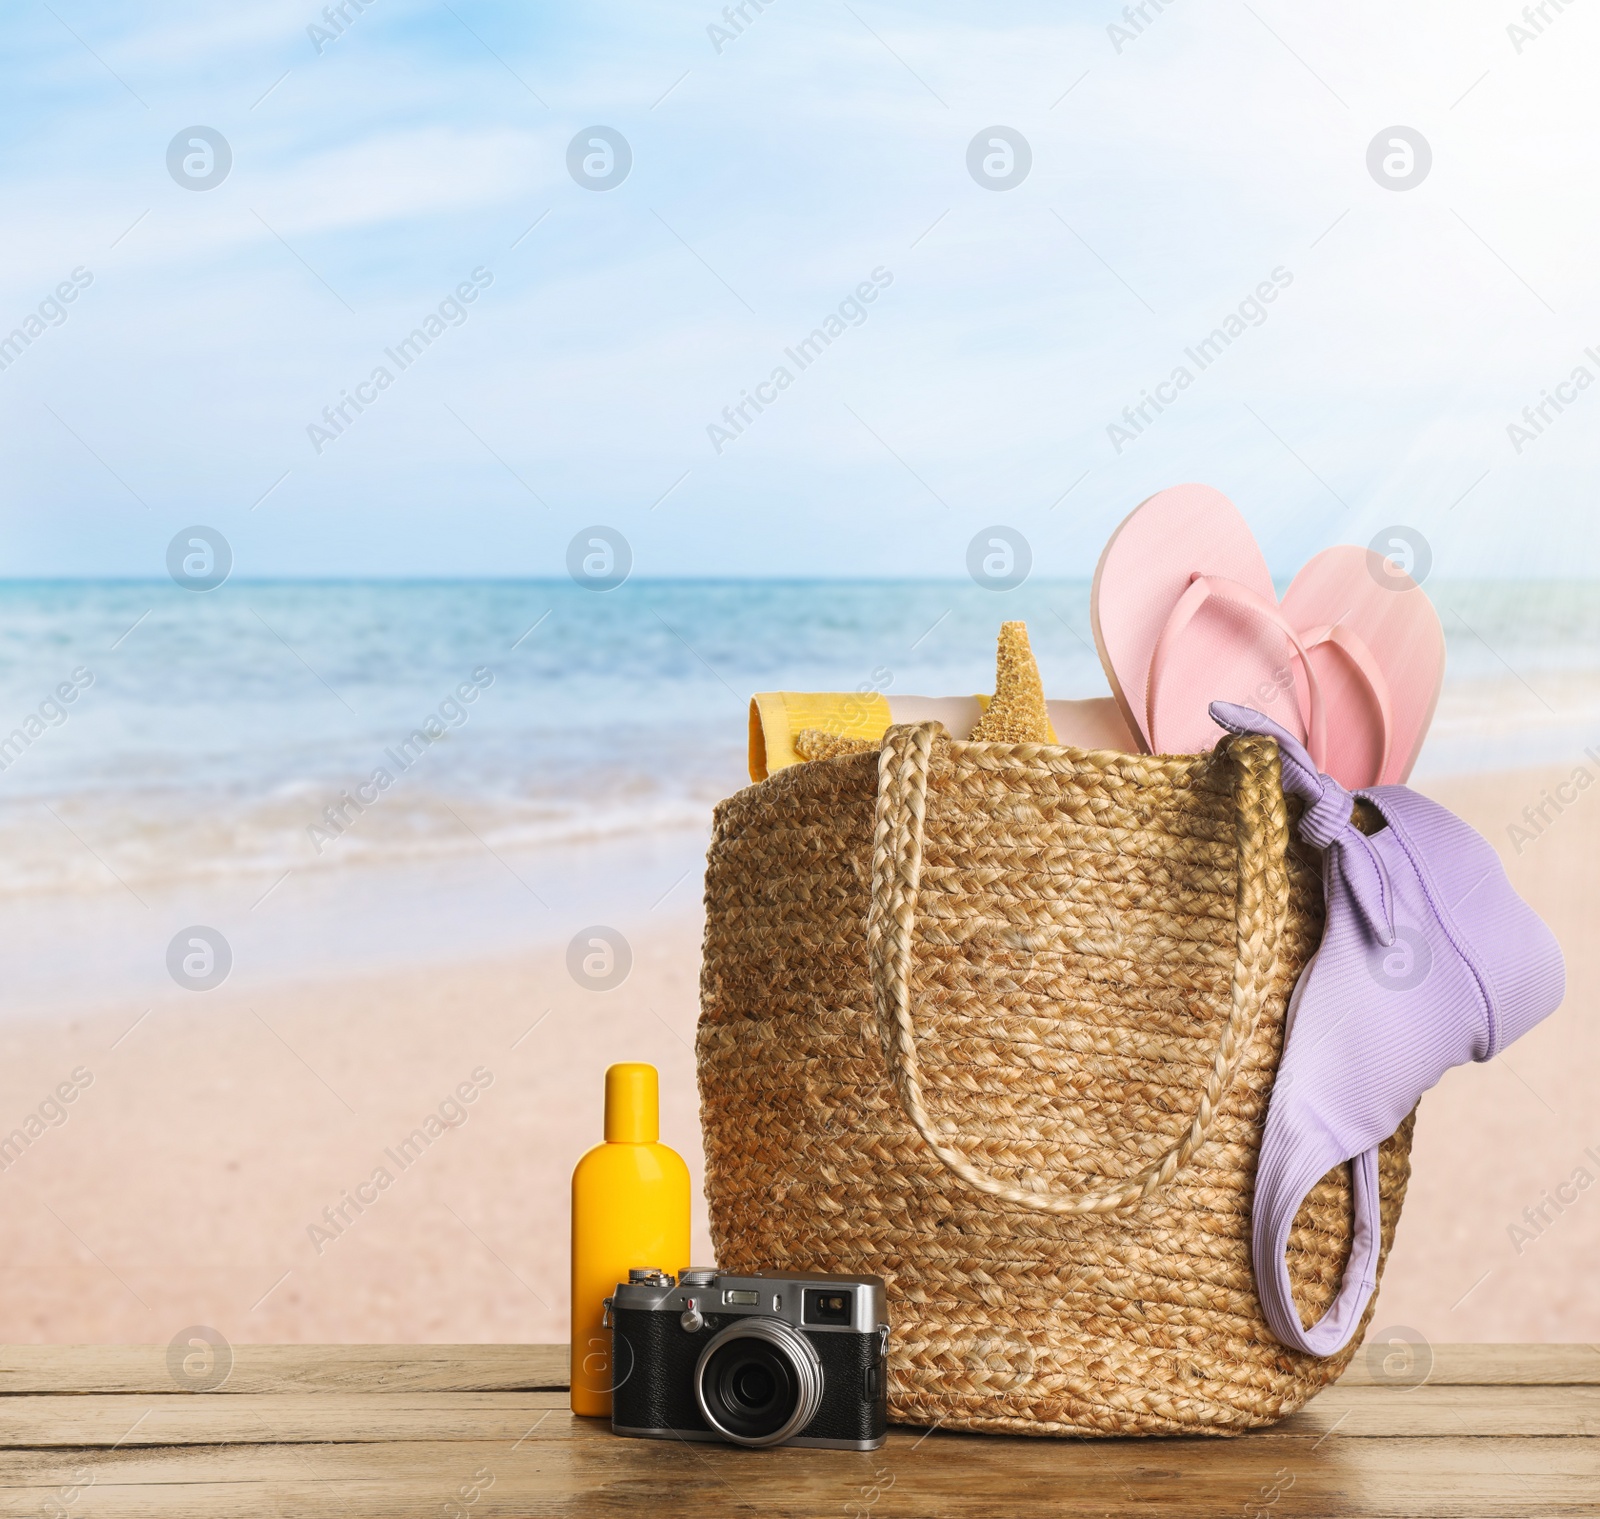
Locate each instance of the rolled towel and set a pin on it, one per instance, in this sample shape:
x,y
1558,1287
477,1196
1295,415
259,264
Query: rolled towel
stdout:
x,y
778,719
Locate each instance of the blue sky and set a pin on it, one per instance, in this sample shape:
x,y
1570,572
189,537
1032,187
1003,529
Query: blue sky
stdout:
x,y
1170,177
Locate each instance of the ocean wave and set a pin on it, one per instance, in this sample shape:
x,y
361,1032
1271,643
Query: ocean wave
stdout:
x,y
92,844
218,731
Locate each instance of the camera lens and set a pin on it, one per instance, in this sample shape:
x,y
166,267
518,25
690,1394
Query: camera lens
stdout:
x,y
759,1382
752,1389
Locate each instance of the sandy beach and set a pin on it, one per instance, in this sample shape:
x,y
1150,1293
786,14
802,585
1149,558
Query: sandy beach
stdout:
x,y
188,1180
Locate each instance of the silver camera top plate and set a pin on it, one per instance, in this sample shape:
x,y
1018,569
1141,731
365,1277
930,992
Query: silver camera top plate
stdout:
x,y
772,1294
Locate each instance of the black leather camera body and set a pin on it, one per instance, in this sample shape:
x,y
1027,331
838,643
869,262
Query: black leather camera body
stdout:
x,y
773,1358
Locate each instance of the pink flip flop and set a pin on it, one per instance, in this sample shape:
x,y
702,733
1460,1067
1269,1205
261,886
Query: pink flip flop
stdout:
x,y
1183,608
1376,648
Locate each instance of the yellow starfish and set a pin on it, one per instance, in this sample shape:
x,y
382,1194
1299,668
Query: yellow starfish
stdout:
x,y
1017,713
818,743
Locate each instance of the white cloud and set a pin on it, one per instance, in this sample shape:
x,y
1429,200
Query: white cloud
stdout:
x,y
1171,179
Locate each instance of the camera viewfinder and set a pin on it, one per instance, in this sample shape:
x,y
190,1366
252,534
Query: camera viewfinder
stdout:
x,y
825,1306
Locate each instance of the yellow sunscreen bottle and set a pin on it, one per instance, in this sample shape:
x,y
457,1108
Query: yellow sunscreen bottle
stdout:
x,y
630,1208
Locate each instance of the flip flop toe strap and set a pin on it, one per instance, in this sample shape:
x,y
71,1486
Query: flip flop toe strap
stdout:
x,y
1207,588
1360,656
1201,590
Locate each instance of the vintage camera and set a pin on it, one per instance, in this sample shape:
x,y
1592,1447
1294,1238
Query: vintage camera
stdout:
x,y
774,1358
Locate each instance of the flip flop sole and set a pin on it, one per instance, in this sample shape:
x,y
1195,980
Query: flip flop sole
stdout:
x,y
1144,570
1385,616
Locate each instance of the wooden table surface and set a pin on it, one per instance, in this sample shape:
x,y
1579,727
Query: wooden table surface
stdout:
x,y
484,1431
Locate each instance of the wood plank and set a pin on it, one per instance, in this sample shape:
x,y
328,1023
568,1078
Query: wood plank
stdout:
x,y
133,1419
1406,1413
571,1467
514,1368
1489,1365
458,1431
290,1368
288,1418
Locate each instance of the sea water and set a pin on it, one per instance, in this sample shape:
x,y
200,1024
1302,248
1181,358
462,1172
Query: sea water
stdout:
x,y
361,773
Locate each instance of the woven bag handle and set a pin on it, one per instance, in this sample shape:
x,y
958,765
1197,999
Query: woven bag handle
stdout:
x,y
903,765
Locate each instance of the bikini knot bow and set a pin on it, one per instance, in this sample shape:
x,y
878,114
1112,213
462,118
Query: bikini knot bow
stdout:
x,y
1326,823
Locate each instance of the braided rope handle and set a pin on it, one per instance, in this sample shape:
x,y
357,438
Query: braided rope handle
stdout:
x,y
1262,823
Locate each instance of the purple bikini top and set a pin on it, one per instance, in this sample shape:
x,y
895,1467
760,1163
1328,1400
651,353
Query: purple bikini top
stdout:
x,y
1428,960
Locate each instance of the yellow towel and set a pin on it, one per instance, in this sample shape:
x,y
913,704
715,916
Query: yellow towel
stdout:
x,y
778,717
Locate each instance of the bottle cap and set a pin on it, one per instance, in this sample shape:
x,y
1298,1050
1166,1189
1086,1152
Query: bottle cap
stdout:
x,y
632,1104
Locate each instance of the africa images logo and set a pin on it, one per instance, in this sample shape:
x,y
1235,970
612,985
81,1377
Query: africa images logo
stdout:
x,y
853,310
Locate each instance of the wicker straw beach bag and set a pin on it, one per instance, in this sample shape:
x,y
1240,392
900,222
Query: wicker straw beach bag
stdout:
x,y
999,1022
